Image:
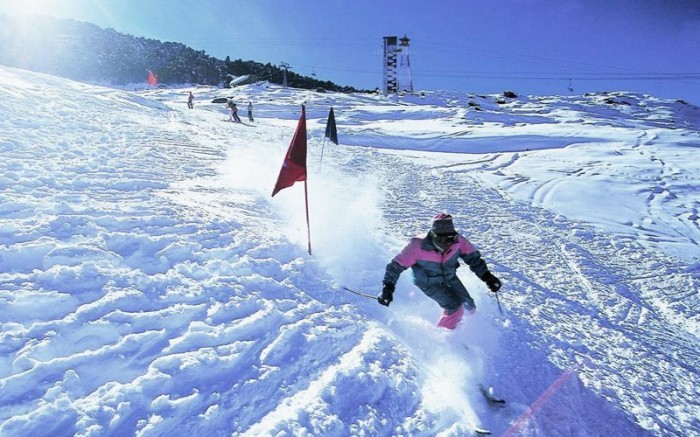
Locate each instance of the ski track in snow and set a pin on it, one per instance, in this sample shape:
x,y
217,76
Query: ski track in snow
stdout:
x,y
568,276
144,293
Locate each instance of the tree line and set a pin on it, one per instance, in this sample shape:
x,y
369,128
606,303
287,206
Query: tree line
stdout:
x,y
86,52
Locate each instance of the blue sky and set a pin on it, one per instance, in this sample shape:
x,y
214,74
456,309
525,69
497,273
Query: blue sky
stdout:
x,y
482,46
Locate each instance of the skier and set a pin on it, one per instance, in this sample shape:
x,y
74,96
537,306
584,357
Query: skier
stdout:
x,y
434,260
250,111
234,111
190,100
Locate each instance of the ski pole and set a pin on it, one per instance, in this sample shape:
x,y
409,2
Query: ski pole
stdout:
x,y
360,293
499,303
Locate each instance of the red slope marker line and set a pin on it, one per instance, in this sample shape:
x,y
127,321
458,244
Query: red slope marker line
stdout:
x,y
544,397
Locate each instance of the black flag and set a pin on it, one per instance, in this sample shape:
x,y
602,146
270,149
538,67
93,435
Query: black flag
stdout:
x,y
331,130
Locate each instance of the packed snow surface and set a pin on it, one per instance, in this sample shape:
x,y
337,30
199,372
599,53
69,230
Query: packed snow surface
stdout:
x,y
151,286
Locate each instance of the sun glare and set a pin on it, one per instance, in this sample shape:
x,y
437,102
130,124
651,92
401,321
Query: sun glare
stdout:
x,y
38,7
24,7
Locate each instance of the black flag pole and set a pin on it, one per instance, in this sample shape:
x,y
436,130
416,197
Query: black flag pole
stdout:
x,y
322,146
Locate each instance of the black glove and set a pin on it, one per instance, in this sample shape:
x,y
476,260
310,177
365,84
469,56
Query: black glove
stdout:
x,y
492,282
387,295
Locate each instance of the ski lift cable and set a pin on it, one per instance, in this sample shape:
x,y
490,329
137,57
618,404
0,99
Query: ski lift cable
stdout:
x,y
499,54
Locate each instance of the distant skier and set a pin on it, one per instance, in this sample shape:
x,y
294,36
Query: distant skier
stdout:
x,y
234,111
434,260
250,111
190,100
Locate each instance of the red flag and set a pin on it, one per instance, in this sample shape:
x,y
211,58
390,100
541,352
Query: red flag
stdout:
x,y
152,78
294,165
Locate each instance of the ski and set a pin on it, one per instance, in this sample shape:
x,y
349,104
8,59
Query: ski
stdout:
x,y
488,394
481,431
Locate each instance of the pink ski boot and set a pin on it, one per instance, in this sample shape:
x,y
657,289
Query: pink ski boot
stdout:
x,y
450,321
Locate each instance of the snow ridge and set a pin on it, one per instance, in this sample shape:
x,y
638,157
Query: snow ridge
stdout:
x,y
151,286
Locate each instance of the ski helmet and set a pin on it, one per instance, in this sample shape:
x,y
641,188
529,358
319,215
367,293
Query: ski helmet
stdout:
x,y
443,225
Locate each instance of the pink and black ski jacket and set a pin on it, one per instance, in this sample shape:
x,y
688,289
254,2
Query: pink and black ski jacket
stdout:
x,y
430,266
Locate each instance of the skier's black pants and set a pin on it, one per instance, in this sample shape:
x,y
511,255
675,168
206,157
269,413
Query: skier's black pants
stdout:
x,y
450,295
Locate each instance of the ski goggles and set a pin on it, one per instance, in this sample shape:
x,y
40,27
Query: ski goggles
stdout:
x,y
444,239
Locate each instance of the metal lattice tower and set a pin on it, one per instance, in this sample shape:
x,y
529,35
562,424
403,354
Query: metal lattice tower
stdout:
x,y
390,51
404,71
397,66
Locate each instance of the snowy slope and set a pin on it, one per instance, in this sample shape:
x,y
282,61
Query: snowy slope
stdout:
x,y
151,286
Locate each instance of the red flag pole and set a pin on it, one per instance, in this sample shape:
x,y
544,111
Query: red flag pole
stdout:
x,y
294,167
308,225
